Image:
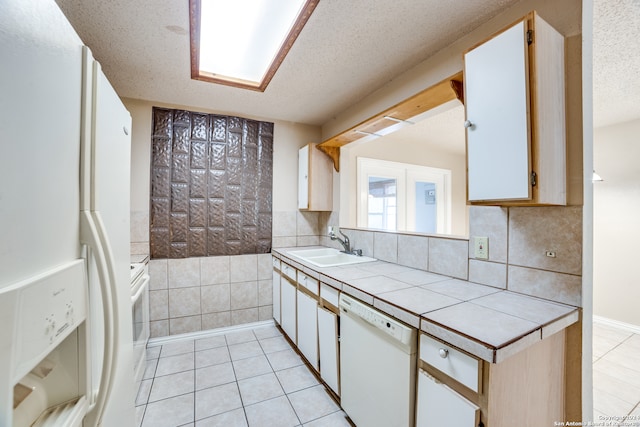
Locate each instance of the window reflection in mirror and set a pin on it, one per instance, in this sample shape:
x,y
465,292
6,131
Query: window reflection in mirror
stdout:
x,y
397,196
431,202
382,203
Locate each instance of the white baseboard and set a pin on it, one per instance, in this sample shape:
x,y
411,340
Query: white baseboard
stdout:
x,y
154,342
617,324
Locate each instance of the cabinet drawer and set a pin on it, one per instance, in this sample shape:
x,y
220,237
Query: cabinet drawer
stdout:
x,y
329,294
289,271
438,405
308,282
276,263
461,367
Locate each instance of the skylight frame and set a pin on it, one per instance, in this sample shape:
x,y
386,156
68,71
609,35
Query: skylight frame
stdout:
x,y
197,74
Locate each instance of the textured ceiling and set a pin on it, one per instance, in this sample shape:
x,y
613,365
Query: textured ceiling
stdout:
x,y
616,61
346,51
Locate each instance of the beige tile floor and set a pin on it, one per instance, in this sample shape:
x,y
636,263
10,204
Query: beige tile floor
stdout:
x,y
616,376
253,378
243,378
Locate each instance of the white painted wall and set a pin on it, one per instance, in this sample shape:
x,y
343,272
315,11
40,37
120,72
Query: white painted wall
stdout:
x,y
616,228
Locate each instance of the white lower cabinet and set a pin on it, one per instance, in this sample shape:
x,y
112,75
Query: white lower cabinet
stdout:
x,y
328,346
288,308
276,297
308,328
439,405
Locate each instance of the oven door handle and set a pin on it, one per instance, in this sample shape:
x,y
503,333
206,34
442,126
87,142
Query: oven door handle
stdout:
x,y
143,284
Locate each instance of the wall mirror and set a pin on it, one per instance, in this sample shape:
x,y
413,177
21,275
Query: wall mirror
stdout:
x,y
412,179
413,153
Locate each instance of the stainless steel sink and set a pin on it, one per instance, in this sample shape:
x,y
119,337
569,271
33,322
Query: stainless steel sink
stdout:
x,y
328,257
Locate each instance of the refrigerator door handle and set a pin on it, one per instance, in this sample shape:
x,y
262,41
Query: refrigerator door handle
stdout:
x,y
91,232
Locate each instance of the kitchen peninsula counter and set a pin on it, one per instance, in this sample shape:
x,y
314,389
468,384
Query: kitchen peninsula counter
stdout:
x,y
489,323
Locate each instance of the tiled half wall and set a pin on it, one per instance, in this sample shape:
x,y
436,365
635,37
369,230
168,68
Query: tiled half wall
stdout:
x,y
193,294
200,293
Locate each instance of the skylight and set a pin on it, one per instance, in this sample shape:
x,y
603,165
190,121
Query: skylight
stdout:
x,y
243,42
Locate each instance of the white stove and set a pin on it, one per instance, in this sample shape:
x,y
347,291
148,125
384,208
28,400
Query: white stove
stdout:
x,y
137,268
140,316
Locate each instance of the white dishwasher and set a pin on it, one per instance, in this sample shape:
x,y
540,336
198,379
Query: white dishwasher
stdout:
x,y
377,366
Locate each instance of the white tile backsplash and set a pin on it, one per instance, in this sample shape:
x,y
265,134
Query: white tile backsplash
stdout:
x,y
413,251
449,257
385,247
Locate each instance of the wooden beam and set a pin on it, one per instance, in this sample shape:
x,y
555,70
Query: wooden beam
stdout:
x,y
434,96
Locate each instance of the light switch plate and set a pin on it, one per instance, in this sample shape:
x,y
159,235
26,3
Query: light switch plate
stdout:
x,y
481,247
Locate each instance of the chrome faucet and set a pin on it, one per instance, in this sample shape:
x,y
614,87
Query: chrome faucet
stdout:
x,y
344,242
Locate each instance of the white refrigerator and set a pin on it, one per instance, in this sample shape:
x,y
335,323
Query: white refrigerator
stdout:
x,y
66,340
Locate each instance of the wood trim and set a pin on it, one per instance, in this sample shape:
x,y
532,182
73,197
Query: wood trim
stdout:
x,y
433,96
333,153
197,74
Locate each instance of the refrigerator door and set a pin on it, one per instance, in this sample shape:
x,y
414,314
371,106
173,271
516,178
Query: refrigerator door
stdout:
x,y
39,124
108,192
40,252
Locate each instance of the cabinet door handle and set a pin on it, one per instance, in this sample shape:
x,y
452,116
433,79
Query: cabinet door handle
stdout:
x,y
443,353
468,124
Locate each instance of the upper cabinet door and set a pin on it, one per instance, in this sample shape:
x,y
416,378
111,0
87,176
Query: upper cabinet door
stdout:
x,y
497,106
303,178
515,109
315,179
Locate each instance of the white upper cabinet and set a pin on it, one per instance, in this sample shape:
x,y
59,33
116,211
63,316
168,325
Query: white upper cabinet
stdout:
x,y
515,109
315,179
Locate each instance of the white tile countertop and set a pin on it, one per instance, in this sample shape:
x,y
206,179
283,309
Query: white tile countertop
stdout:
x,y
490,323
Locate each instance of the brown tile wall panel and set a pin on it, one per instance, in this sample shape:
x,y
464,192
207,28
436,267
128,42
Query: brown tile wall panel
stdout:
x,y
198,155
159,217
159,242
197,242
198,186
217,184
178,227
218,157
216,212
234,145
235,124
180,168
197,213
181,117
160,182
181,140
211,183
199,126
179,197
162,122
161,152
219,128
216,241
178,250
233,226
234,171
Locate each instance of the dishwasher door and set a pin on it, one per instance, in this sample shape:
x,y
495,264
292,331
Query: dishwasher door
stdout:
x,y
377,366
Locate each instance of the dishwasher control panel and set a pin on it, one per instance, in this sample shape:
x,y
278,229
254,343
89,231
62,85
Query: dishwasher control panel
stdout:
x,y
391,327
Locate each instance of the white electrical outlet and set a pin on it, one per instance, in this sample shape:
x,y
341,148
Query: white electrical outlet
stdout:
x,y
481,247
